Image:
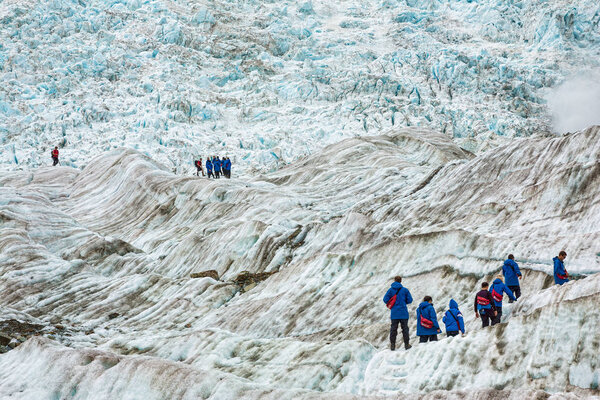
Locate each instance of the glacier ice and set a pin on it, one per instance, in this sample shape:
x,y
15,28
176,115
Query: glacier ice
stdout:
x,y
178,79
369,139
107,252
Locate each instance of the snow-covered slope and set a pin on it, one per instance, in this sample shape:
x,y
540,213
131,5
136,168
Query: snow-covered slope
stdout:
x,y
103,259
266,82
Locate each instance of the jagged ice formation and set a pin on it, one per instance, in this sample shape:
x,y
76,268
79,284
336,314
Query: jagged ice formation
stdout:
x,y
267,82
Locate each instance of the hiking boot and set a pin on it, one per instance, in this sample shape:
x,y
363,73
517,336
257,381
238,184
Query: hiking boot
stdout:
x,y
392,346
406,347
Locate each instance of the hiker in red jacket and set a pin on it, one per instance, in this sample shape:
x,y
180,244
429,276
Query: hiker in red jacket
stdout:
x,y
199,167
55,156
484,305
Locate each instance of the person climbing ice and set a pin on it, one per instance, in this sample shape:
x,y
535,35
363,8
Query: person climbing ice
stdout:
x,y
209,167
453,319
484,305
427,324
396,298
561,276
512,274
55,156
199,167
497,290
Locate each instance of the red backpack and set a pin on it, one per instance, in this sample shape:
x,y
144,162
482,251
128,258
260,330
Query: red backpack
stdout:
x,y
563,277
482,301
392,300
425,323
495,295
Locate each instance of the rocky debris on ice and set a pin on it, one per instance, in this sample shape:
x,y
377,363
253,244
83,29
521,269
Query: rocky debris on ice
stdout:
x,y
211,273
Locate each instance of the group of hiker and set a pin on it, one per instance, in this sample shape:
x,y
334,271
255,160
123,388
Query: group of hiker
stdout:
x,y
487,304
215,167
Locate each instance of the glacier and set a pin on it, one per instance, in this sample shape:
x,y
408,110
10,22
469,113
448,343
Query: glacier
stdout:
x,y
269,82
102,258
368,139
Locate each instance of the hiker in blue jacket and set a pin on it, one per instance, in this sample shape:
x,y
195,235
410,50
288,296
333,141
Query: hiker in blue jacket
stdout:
x,y
484,306
453,319
497,290
209,168
227,167
512,274
217,167
561,276
427,324
399,311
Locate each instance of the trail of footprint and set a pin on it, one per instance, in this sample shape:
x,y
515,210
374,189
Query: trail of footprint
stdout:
x,y
394,374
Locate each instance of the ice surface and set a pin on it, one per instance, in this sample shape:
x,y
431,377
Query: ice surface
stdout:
x,y
368,139
268,82
107,253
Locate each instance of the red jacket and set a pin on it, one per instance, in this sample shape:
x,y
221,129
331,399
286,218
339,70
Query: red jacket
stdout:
x,y
55,153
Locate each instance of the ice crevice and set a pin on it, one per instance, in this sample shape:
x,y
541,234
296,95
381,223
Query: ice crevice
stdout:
x,y
107,253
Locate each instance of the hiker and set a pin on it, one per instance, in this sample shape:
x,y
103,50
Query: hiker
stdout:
x,y
209,168
512,274
561,275
220,162
427,324
55,156
453,319
484,305
227,168
216,167
497,290
396,299
199,168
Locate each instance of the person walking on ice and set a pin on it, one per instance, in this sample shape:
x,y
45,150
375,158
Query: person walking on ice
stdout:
x,y
484,305
217,167
427,324
227,167
396,298
199,167
453,319
512,274
209,168
497,290
55,156
561,276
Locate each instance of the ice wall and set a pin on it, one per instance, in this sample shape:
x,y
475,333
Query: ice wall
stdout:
x,y
104,259
267,82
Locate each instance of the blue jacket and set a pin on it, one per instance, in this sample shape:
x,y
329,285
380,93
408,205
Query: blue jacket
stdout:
x,y
209,165
399,310
501,288
426,309
217,165
227,165
453,315
511,272
559,268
